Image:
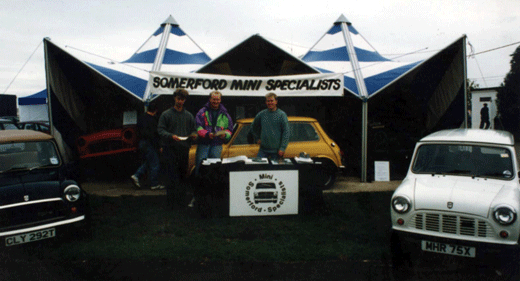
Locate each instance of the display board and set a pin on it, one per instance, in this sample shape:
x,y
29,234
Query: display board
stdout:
x,y
263,193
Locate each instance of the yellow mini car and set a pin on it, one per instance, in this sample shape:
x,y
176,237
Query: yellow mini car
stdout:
x,y
306,136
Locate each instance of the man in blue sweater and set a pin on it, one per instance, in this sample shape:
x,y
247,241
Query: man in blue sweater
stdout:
x,y
271,128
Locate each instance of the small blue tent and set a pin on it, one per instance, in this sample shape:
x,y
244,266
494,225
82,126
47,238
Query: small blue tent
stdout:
x,y
34,107
38,98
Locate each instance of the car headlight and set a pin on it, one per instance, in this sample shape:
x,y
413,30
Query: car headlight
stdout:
x,y
72,193
401,204
504,215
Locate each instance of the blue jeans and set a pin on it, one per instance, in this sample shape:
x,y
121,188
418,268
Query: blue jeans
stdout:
x,y
150,163
271,155
205,151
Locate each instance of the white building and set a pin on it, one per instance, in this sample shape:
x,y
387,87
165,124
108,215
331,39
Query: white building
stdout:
x,y
479,97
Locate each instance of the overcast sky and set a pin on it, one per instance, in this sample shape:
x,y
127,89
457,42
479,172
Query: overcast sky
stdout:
x,y
116,29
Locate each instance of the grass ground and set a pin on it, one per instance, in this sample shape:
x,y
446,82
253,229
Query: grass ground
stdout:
x,y
137,238
352,226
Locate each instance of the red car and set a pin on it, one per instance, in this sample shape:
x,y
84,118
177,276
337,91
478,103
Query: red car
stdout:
x,y
107,142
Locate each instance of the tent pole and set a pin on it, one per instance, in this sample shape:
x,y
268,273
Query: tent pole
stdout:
x,y
364,127
362,91
159,57
465,83
48,85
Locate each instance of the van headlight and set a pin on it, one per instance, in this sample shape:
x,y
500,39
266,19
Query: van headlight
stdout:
x,y
72,193
504,214
401,204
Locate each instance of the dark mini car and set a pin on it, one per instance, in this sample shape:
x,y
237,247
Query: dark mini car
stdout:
x,y
37,198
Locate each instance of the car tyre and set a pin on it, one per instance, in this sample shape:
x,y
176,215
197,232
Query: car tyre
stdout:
x,y
402,267
326,174
511,271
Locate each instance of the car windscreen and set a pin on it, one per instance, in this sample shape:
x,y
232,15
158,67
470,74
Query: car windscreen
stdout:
x,y
269,185
299,131
20,155
464,160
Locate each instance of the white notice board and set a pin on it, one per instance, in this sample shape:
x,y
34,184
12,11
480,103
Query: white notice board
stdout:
x,y
129,118
263,193
382,171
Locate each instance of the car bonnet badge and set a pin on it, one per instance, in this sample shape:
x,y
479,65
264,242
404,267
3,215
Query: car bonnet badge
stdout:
x,y
26,198
450,205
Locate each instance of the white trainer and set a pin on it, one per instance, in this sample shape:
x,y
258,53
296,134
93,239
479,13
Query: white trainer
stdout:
x,y
135,180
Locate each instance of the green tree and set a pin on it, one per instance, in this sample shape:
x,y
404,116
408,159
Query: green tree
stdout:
x,y
508,97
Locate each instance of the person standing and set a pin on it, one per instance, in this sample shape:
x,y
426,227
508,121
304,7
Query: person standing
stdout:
x,y
146,130
271,128
177,129
484,117
469,118
214,127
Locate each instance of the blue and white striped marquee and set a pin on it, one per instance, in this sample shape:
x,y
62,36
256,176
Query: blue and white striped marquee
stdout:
x,y
330,54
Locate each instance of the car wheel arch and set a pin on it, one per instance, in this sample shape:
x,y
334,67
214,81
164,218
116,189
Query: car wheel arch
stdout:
x,y
330,169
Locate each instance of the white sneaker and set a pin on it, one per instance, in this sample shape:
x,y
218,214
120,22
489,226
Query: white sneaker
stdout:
x,y
157,187
192,202
135,180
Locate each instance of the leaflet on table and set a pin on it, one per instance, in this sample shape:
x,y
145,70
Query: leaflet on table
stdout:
x,y
234,159
303,160
210,161
283,161
257,160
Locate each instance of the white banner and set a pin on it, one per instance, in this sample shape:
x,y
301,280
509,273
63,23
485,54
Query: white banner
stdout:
x,y
321,84
263,193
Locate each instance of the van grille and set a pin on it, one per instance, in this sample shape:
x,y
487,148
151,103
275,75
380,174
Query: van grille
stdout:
x,y
453,224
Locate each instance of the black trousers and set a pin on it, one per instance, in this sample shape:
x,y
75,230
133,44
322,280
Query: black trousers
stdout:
x,y
176,166
484,124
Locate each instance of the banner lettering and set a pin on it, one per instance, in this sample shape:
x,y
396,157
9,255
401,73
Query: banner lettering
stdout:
x,y
321,84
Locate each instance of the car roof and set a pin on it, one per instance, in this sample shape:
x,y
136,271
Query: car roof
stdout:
x,y
471,135
23,135
290,118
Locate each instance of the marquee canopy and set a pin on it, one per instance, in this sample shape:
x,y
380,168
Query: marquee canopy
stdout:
x,y
330,54
90,93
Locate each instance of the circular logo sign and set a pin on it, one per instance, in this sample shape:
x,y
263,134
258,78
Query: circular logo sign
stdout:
x,y
265,193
